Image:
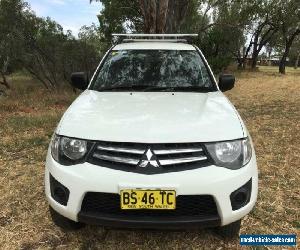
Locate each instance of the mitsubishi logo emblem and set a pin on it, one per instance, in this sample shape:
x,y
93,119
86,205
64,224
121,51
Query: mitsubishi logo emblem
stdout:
x,y
149,159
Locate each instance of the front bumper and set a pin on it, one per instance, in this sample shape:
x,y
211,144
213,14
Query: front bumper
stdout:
x,y
215,181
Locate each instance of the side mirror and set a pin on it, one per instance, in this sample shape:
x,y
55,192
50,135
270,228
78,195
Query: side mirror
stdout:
x,y
79,80
226,82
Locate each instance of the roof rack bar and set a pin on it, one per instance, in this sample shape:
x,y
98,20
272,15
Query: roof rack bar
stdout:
x,y
153,40
186,38
154,35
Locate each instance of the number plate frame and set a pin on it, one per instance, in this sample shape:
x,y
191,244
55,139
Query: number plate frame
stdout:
x,y
141,199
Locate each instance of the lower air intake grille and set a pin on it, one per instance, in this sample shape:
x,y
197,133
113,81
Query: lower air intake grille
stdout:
x,y
186,205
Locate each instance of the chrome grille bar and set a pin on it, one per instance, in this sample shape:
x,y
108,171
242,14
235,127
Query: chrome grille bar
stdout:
x,y
121,149
182,160
176,151
119,159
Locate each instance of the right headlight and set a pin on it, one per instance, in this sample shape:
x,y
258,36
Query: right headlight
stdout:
x,y
69,151
230,154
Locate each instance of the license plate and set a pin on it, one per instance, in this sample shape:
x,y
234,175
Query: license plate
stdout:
x,y
148,199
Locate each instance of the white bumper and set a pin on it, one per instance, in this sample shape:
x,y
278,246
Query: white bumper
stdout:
x,y
216,181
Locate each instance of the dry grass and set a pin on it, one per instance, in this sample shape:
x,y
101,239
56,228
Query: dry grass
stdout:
x,y
268,103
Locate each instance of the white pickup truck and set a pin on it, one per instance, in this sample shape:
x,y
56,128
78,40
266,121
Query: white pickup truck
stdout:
x,y
152,142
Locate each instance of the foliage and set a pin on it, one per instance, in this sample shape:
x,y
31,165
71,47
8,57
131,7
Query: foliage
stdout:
x,y
229,30
51,55
228,20
41,46
118,17
215,22
11,12
218,46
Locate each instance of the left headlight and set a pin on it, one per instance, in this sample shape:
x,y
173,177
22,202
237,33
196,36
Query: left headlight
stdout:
x,y
66,150
230,154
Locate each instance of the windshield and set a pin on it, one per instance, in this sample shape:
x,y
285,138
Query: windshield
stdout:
x,y
153,70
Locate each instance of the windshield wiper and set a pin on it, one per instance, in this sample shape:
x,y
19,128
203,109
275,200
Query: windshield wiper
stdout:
x,y
183,89
124,88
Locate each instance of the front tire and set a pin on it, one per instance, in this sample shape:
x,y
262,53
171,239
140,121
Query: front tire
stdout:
x,y
230,231
63,222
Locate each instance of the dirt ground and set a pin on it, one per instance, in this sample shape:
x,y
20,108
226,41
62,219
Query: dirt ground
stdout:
x,y
268,103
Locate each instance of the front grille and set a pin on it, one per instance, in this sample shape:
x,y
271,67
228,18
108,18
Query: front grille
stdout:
x,y
149,158
200,206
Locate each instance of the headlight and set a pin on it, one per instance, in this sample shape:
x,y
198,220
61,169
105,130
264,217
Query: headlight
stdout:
x,y
74,149
67,150
230,154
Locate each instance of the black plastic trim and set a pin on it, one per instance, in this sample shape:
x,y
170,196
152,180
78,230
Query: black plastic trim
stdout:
x,y
144,222
56,184
246,189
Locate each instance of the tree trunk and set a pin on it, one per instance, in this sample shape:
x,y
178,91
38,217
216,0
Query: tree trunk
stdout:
x,y
240,64
255,50
239,60
297,61
283,62
261,38
288,44
148,8
177,10
4,81
163,16
245,54
254,59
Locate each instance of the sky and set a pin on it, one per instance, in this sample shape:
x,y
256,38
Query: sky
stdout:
x,y
71,14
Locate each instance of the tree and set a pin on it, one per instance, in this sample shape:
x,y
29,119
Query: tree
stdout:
x,y
218,47
11,16
263,26
42,47
148,16
51,55
92,47
43,40
232,20
215,21
289,25
218,23
118,16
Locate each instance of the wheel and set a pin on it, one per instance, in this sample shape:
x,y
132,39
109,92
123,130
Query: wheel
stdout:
x,y
63,222
230,231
